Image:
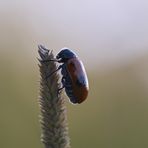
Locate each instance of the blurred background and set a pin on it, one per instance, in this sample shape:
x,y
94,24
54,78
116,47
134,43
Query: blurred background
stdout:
x,y
110,36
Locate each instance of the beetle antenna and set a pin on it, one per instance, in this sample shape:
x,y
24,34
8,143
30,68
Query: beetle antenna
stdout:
x,y
54,60
54,72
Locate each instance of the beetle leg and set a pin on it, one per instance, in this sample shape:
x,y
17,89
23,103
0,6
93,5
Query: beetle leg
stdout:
x,y
63,83
54,72
61,88
63,80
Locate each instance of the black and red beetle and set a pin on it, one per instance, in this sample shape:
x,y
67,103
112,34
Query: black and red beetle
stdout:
x,y
74,78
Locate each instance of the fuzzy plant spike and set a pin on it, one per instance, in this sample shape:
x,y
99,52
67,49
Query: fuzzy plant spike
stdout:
x,y
52,105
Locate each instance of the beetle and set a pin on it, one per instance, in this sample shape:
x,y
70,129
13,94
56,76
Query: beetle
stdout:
x,y
74,77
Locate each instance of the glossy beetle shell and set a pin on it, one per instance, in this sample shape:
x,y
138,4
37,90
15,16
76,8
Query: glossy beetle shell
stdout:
x,y
79,79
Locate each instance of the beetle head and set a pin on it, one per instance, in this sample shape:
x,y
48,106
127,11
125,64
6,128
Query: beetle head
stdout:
x,y
65,54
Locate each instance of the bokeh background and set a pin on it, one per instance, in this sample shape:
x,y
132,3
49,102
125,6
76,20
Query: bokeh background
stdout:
x,y
110,36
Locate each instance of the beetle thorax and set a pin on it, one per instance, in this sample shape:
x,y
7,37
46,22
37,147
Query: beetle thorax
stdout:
x,y
65,54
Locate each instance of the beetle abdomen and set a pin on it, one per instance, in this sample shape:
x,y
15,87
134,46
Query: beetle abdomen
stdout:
x,y
67,83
